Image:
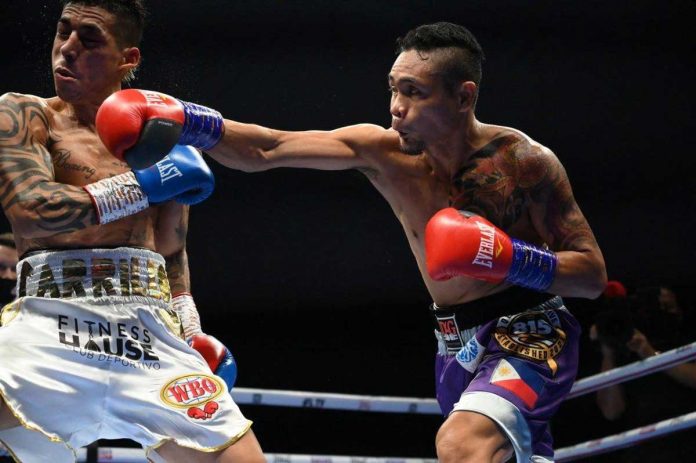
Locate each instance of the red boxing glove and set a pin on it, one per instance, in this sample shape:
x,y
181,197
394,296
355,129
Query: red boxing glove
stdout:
x,y
142,126
218,357
136,125
462,243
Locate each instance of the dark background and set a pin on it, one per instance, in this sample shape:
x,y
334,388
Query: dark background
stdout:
x,y
306,274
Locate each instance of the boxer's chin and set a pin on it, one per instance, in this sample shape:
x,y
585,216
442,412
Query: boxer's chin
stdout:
x,y
68,92
411,147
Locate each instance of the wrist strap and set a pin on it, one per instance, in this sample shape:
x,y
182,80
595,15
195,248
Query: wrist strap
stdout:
x,y
203,126
532,267
117,197
185,308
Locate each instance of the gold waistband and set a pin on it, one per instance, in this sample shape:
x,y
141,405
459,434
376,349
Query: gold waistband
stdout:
x,y
93,273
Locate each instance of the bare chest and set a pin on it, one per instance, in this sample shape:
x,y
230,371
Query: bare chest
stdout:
x,y
489,186
79,158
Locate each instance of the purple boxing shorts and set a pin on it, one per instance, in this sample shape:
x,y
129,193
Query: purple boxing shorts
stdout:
x,y
515,368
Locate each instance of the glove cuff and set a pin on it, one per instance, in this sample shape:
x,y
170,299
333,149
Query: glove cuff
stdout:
x,y
203,127
532,267
185,308
117,197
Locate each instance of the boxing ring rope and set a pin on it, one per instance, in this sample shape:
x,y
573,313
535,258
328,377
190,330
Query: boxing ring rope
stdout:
x,y
625,438
384,404
329,401
634,370
123,455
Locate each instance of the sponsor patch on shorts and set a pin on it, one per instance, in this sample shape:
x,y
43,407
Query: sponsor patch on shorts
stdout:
x,y
533,335
195,393
470,355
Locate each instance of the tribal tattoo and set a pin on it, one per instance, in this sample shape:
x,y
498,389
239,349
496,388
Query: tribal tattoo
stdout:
x,y
27,186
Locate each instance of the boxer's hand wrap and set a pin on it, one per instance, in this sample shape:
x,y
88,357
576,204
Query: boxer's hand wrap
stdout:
x,y
117,197
185,308
218,357
461,243
182,175
141,126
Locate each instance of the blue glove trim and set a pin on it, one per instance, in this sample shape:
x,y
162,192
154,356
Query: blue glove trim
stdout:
x,y
227,370
203,126
532,267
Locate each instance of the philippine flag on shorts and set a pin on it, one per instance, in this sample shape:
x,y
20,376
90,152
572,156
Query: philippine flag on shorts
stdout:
x,y
512,374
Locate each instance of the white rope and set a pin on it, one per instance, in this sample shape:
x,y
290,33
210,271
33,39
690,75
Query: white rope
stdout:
x,y
287,458
634,370
132,455
626,438
329,401
363,403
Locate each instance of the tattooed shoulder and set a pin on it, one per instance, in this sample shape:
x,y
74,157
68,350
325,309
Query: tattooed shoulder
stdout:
x,y
23,119
538,166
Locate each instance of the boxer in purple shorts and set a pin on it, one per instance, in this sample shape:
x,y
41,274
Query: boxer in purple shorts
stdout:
x,y
515,369
484,207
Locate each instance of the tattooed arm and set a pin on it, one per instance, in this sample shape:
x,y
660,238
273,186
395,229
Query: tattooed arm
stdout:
x,y
170,241
557,218
34,203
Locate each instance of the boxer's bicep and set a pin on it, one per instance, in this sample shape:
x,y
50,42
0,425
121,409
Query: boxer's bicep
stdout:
x,y
555,212
35,204
558,220
252,148
170,240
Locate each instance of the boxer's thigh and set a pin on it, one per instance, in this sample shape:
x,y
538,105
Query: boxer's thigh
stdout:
x,y
472,436
245,450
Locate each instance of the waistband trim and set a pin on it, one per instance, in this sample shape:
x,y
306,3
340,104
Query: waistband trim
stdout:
x,y
93,273
454,324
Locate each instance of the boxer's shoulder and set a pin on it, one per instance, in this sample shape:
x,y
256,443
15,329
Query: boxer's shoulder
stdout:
x,y
514,142
22,113
17,103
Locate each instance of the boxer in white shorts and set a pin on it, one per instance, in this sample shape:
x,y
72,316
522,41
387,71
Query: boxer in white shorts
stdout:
x,y
97,352
92,348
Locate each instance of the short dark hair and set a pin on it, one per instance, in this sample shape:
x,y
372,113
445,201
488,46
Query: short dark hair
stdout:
x,y
463,62
130,13
7,239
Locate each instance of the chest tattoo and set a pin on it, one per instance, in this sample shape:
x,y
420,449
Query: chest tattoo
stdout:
x,y
488,184
62,160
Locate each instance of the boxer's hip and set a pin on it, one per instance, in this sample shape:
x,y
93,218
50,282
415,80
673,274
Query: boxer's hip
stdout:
x,y
455,325
518,323
93,274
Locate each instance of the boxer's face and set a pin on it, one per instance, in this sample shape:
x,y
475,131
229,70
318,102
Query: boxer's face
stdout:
x,y
422,110
8,263
87,62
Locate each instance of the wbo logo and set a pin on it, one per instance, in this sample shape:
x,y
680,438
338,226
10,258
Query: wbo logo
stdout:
x,y
191,390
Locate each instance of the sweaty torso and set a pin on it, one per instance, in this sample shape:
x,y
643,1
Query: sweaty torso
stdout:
x,y
492,183
78,158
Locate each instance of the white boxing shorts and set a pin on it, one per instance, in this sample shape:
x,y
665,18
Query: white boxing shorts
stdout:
x,y
91,350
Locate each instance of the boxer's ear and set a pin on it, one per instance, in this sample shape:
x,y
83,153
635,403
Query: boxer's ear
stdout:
x,y
129,62
466,95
